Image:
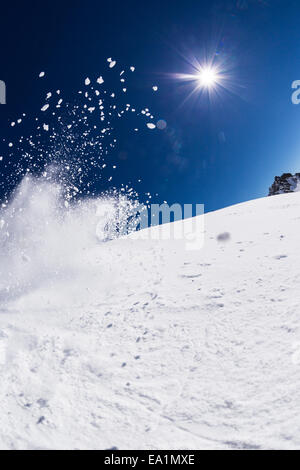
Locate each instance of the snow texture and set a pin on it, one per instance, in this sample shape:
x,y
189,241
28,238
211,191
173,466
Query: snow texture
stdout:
x,y
141,344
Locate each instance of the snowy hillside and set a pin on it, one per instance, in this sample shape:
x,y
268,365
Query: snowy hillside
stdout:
x,y
142,344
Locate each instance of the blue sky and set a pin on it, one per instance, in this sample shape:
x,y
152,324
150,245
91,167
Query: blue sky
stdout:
x,y
217,151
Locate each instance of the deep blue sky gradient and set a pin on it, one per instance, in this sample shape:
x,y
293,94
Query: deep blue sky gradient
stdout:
x,y
217,152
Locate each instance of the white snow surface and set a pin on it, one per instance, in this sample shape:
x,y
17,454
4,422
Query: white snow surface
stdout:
x,y
141,344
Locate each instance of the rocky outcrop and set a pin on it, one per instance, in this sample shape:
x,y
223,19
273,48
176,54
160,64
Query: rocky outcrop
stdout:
x,y
286,183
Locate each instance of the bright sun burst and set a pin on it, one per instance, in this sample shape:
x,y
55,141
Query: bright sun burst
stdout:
x,y
208,77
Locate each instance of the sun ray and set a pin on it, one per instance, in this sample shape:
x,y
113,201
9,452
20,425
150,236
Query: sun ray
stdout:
x,y
212,77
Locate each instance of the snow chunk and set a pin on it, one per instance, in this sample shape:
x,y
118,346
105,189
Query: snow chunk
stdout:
x,y
111,62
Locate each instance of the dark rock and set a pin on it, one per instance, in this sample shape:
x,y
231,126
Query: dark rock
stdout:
x,y
286,183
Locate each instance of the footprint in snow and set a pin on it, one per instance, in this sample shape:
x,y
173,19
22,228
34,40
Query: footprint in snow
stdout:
x,y
191,276
223,237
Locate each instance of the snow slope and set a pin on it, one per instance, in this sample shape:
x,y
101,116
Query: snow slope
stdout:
x,y
142,344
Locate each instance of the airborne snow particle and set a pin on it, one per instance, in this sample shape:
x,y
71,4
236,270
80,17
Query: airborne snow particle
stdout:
x,y
46,127
87,81
45,107
112,63
155,88
42,74
132,69
150,125
100,80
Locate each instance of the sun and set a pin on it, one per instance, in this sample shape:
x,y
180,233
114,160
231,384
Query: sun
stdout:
x,y
211,78
208,77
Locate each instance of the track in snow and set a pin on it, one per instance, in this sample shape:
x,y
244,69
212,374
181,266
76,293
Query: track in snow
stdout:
x,y
142,344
